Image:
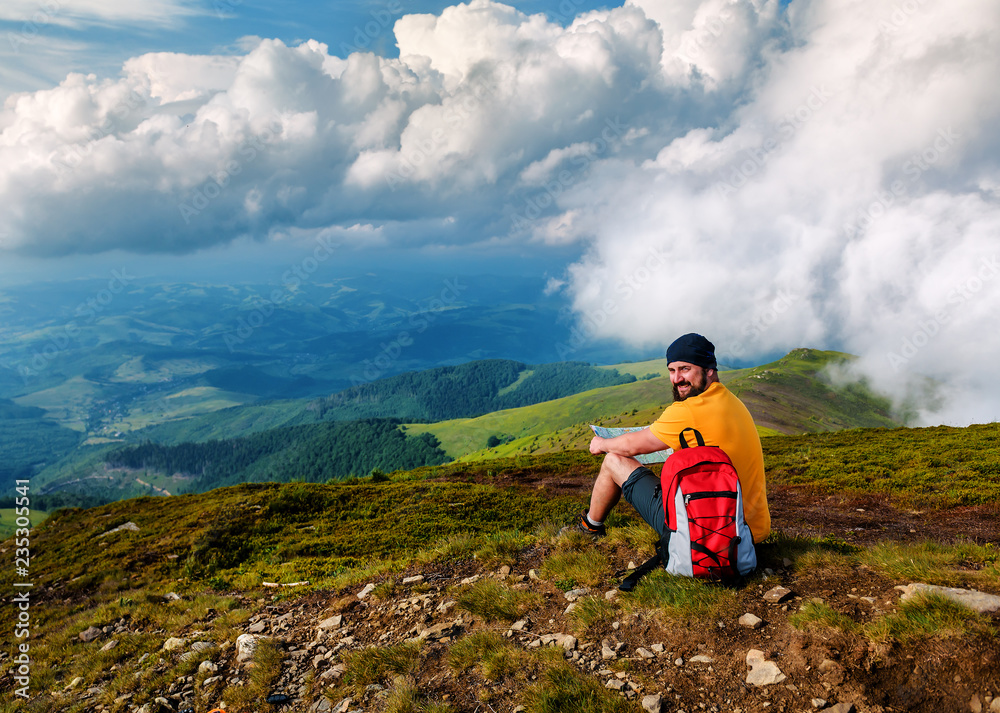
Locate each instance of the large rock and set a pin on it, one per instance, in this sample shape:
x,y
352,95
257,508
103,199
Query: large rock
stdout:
x,y
246,646
841,708
762,671
127,527
445,630
977,601
333,622
777,594
653,703
174,643
90,634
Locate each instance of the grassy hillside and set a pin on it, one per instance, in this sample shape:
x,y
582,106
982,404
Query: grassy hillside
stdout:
x,y
792,395
796,394
229,422
467,550
311,530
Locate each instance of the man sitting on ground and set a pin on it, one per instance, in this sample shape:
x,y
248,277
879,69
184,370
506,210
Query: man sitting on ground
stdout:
x,y
701,402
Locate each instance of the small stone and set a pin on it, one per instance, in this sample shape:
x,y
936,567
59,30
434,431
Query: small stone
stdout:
x,y
777,594
574,594
658,648
645,653
207,667
818,703
615,685
415,579
607,653
532,574
842,708
246,646
652,704
127,527
611,595
172,597
333,622
678,662
521,625
701,658
751,621
90,633
174,643
569,642
762,672
110,645
975,705
368,589
995,705
505,571
441,631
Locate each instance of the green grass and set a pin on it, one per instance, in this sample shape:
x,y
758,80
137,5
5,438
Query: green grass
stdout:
x,y
492,656
339,536
287,532
929,615
681,598
378,664
933,562
8,520
495,601
916,467
593,612
582,565
817,615
405,697
561,689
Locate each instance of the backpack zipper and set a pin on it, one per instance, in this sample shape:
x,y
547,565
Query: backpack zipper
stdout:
x,y
688,497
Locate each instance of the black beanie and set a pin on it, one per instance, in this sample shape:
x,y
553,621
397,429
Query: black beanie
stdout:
x,y
694,349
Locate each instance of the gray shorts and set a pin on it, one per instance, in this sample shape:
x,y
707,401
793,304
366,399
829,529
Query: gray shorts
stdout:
x,y
642,491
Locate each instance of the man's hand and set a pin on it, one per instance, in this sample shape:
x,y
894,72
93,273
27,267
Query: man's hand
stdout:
x,y
597,445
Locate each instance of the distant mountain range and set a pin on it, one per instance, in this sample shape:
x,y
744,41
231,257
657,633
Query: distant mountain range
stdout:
x,y
479,410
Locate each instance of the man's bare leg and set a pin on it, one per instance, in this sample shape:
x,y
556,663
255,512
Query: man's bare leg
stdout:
x,y
607,491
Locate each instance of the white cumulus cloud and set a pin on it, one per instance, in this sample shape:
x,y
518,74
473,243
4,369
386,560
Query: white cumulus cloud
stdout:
x,y
822,173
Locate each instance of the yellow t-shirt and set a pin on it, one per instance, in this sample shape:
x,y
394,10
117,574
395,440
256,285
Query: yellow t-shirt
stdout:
x,y
724,421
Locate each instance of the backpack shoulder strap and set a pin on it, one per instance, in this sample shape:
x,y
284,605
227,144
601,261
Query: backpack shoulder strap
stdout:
x,y
657,560
697,437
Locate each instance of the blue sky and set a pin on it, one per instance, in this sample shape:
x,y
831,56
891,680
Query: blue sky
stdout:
x,y
818,173
47,39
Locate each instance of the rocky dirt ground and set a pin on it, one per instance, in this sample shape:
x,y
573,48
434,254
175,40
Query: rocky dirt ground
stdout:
x,y
733,665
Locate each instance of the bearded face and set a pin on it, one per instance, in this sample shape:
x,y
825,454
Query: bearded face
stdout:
x,y
689,381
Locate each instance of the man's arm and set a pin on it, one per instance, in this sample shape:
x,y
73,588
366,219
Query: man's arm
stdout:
x,y
627,444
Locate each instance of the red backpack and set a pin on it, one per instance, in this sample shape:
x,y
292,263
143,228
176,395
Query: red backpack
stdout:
x,y
703,510
706,534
